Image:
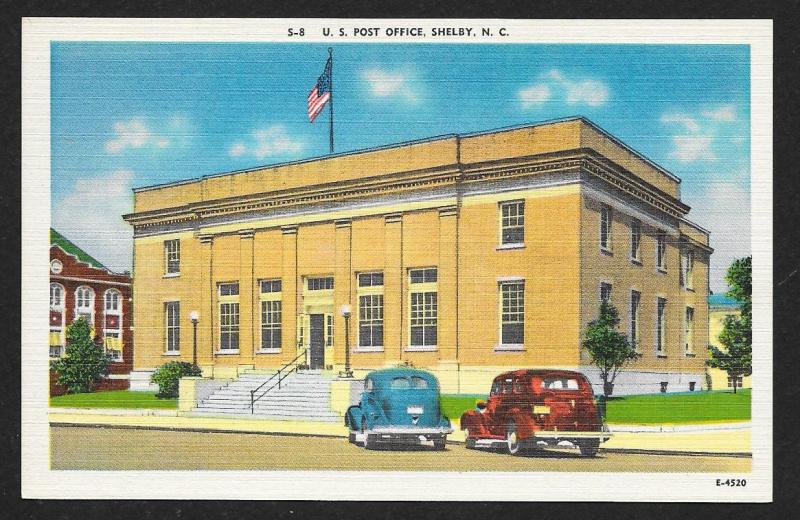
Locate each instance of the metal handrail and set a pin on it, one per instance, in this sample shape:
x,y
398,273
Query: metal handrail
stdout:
x,y
280,377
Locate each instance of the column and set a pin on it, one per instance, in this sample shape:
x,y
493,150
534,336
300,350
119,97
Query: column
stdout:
x,y
393,297
247,311
343,293
448,299
289,294
205,327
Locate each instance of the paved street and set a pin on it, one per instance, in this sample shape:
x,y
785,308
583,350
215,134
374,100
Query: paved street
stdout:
x,y
100,448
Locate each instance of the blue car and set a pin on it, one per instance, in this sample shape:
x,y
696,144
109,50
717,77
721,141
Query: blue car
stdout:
x,y
398,405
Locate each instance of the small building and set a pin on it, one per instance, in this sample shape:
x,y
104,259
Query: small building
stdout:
x,y
80,286
464,254
720,307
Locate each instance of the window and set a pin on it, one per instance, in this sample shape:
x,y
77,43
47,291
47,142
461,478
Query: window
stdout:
x,y
664,385
370,280
635,297
661,251
56,339
688,330
112,302
560,383
229,316
370,321
172,312
328,330
636,239
270,286
400,383
661,304
112,324
687,268
605,292
423,303
84,304
512,222
172,256
56,296
419,383
320,284
737,379
512,313
270,325
605,227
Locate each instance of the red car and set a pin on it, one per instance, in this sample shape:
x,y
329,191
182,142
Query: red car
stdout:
x,y
529,407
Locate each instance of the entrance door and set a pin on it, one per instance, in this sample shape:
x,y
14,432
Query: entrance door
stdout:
x,y
317,342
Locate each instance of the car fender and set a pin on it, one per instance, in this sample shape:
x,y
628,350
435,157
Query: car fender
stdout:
x,y
352,417
472,420
524,422
373,413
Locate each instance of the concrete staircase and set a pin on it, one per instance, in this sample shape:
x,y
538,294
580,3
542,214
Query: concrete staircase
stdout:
x,y
304,395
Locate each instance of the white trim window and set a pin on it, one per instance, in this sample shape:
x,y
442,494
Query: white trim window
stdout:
x,y
229,317
636,240
688,331
636,298
687,269
271,315
112,324
324,283
605,292
423,308
172,257
56,339
172,327
661,251
370,311
512,222
84,304
661,326
606,217
512,314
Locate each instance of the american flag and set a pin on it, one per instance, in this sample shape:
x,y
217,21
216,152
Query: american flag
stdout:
x,y
320,94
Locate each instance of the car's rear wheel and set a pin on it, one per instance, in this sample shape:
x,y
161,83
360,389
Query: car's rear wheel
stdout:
x,y
470,440
588,447
513,444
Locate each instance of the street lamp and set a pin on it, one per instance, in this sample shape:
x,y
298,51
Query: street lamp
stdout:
x,y
195,317
345,312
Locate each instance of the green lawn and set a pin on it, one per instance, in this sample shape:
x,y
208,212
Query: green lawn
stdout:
x,y
113,399
694,407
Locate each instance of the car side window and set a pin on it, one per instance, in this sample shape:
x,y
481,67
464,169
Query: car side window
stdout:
x,y
495,388
518,386
507,386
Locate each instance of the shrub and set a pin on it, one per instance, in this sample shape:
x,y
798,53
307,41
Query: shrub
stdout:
x,y
168,375
83,363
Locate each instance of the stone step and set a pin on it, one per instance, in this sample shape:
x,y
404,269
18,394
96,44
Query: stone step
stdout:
x,y
303,410
271,416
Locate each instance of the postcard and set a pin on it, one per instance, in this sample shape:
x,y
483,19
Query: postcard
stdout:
x,y
397,259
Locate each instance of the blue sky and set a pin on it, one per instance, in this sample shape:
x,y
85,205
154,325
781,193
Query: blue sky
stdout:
x,y
132,114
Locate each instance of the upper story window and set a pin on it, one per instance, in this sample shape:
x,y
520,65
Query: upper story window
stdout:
x,y
512,222
271,286
636,240
320,284
370,279
661,251
605,227
687,268
428,275
113,301
229,289
56,296
172,256
512,313
84,304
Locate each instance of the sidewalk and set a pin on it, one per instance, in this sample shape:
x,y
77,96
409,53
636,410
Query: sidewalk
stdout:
x,y
717,438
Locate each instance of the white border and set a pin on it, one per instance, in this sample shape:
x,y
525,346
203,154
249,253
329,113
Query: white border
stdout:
x,y
38,481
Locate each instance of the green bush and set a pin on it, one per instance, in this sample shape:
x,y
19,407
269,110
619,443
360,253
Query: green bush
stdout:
x,y
83,363
168,375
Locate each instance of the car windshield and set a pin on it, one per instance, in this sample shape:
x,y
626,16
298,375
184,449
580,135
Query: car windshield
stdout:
x,y
560,383
418,383
400,383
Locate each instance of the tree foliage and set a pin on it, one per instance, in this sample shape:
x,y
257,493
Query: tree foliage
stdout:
x,y
83,363
608,348
736,358
168,375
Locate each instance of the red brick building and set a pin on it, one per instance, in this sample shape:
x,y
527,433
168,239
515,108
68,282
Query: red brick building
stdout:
x,y
82,286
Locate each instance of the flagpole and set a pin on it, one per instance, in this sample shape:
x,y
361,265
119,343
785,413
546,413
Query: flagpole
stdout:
x,y
330,102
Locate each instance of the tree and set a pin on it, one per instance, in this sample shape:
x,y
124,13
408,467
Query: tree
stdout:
x,y
83,363
608,348
736,358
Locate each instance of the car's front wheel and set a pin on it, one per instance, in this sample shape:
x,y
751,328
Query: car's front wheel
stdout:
x,y
513,444
440,442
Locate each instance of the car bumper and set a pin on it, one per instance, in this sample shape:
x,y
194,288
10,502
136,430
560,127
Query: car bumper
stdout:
x,y
399,430
546,436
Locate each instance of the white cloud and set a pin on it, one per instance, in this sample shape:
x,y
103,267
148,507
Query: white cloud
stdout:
x,y
386,84
133,134
268,142
91,216
574,92
724,209
688,122
690,148
534,95
726,113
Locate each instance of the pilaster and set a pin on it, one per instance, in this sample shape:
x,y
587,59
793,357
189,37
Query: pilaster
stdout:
x,y
343,294
205,328
393,297
247,310
290,304
448,284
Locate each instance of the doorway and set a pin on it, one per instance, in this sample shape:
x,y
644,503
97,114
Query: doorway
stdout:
x,y
316,341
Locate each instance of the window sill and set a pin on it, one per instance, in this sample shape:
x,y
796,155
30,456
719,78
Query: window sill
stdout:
x,y
509,348
368,349
659,355
689,289
171,275
503,247
636,262
607,252
226,352
690,354
268,351
173,353
421,348
661,270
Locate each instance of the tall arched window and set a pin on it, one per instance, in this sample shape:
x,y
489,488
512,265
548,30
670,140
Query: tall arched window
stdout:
x,y
112,324
84,304
56,320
